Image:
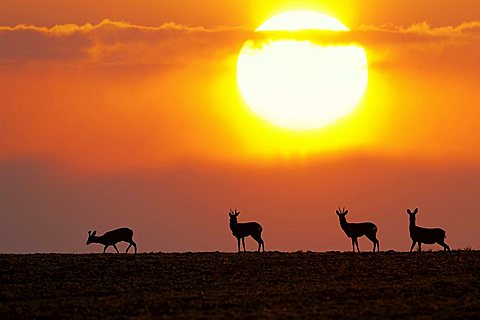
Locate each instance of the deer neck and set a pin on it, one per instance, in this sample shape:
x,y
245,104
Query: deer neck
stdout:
x,y
412,224
97,239
233,225
343,223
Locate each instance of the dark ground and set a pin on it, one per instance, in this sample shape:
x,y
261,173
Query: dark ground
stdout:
x,y
229,285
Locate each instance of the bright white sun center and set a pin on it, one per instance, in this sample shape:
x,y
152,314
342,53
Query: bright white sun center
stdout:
x,y
299,84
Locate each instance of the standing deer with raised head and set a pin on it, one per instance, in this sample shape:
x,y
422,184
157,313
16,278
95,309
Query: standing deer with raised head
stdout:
x,y
111,238
245,229
356,230
425,235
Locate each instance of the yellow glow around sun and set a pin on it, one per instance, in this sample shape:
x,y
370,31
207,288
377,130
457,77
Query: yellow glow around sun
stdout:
x,y
299,84
302,20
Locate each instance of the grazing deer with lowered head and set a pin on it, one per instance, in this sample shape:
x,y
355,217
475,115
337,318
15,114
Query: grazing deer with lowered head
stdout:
x,y
242,230
356,230
111,238
425,235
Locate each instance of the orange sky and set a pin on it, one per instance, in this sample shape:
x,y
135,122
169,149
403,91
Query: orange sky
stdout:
x,y
128,113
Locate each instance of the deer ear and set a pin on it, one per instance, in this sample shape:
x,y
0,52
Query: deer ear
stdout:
x,y
408,211
416,210
345,213
236,215
94,232
338,213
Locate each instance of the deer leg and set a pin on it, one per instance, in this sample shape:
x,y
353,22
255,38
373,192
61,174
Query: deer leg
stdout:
x,y
131,244
445,246
378,246
116,248
258,238
238,242
356,242
373,238
243,243
419,247
353,244
413,245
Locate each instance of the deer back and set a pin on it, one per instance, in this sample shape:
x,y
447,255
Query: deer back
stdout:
x,y
246,229
117,235
427,235
359,229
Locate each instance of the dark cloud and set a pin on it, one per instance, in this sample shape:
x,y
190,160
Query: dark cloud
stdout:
x,y
170,43
116,42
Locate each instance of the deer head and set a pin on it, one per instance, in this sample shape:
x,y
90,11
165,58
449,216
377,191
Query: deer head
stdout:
x,y
233,215
412,213
91,236
341,212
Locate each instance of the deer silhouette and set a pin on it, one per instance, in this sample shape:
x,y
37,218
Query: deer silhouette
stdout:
x,y
111,238
242,230
425,235
356,230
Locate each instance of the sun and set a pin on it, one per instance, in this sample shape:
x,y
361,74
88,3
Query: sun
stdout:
x,y
299,84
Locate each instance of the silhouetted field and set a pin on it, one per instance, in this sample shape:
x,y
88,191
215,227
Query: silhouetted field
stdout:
x,y
220,285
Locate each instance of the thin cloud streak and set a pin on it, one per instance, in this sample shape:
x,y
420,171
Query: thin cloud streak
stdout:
x,y
67,29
